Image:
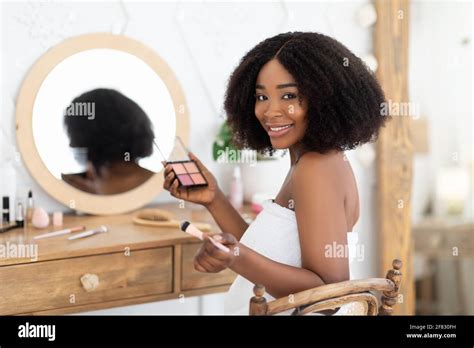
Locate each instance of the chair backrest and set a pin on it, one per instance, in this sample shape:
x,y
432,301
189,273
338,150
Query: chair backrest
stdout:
x,y
332,296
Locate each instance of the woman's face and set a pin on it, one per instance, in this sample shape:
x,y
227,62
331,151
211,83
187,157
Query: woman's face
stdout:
x,y
279,107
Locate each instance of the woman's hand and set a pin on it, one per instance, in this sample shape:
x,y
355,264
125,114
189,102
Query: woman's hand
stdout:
x,y
211,259
204,195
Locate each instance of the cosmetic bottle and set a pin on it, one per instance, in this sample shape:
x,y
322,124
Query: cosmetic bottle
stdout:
x,y
236,189
29,208
8,185
6,210
20,220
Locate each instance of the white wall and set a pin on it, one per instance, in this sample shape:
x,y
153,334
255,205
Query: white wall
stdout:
x,y
440,81
202,42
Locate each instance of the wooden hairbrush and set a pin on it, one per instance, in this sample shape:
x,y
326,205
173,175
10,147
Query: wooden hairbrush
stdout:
x,y
162,218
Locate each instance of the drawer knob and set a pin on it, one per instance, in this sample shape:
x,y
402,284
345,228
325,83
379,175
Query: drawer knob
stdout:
x,y
90,282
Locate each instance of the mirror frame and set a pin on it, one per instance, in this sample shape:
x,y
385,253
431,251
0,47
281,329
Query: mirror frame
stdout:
x,y
58,189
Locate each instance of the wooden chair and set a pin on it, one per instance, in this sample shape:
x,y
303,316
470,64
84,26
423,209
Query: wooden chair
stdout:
x,y
332,296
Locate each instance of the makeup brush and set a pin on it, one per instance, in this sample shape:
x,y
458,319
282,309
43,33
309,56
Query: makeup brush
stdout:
x,y
194,231
101,229
61,232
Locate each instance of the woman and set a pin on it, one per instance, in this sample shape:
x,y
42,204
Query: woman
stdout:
x,y
112,140
308,93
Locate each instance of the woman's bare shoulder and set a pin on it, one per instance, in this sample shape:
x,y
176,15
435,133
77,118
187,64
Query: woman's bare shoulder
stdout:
x,y
315,166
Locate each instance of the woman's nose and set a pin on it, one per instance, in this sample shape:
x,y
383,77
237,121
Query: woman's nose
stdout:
x,y
273,110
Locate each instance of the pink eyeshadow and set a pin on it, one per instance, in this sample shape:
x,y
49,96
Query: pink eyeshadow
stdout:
x,y
185,179
178,168
191,167
198,178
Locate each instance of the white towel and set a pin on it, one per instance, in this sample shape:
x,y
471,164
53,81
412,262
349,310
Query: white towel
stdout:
x,y
274,234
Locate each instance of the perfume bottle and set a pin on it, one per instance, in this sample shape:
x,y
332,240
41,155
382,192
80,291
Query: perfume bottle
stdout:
x,y
236,189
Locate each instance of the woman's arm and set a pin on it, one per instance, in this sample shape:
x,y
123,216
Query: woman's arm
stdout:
x,y
226,216
319,195
322,227
279,279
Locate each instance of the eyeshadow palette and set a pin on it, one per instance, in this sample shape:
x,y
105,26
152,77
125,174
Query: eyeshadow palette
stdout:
x,y
188,173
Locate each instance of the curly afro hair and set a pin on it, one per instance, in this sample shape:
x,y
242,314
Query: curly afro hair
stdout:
x,y
119,127
343,95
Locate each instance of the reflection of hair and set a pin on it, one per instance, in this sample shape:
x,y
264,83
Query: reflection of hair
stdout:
x,y
119,129
343,99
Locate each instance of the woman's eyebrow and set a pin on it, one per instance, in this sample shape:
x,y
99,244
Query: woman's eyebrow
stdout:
x,y
285,85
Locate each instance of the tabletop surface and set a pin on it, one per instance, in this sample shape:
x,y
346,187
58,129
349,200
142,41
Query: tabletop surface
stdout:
x,y
122,234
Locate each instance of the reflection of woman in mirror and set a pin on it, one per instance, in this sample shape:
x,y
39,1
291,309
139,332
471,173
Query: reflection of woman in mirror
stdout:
x,y
308,93
114,133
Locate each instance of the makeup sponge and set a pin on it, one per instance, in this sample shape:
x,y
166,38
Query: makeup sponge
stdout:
x,y
40,218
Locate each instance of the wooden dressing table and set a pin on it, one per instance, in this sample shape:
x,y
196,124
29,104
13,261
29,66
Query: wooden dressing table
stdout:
x,y
134,264
130,264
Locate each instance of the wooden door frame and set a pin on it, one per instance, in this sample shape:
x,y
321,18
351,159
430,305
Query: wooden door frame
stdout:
x,y
394,148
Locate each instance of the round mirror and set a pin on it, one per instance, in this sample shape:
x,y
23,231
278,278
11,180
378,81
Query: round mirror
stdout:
x,y
88,114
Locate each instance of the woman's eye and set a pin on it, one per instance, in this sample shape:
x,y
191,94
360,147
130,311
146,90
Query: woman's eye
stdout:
x,y
289,96
260,97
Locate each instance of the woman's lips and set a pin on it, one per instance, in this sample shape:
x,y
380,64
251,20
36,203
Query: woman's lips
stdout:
x,y
278,131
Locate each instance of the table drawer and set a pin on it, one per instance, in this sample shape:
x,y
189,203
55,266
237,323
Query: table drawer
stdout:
x,y
192,279
57,284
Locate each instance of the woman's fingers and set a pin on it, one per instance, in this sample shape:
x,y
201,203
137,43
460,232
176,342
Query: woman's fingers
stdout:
x,y
168,180
198,267
207,174
215,264
204,263
210,259
174,188
167,170
225,238
171,184
215,252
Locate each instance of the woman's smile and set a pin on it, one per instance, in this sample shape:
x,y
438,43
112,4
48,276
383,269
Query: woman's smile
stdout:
x,y
275,131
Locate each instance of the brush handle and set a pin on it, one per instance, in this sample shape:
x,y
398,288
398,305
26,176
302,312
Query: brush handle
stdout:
x,y
53,234
83,235
219,245
8,228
